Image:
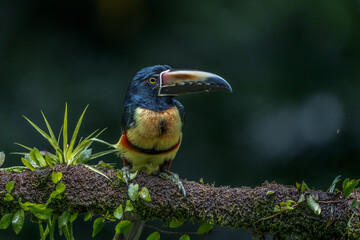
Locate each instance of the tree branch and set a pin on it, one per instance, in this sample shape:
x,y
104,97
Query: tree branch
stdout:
x,y
249,208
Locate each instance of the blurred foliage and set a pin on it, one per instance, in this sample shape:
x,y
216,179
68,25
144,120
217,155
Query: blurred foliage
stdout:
x,y
294,67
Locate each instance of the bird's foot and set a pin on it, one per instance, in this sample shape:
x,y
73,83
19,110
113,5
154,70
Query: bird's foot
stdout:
x,y
166,174
126,174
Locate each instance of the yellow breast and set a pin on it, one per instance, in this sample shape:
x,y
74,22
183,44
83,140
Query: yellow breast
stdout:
x,y
155,130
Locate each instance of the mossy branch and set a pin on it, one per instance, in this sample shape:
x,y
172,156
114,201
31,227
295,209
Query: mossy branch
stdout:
x,y
244,207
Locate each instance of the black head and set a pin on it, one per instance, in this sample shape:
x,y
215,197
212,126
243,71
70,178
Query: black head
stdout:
x,y
154,87
143,89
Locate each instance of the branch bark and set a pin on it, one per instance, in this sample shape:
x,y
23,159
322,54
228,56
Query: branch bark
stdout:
x,y
249,208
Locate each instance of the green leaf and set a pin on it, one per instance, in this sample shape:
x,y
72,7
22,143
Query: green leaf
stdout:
x,y
33,162
133,191
52,135
18,221
333,184
6,221
25,206
84,156
16,169
354,202
144,194
2,158
118,213
21,145
33,158
133,175
53,195
54,158
64,219
10,186
313,205
201,180
103,153
277,208
8,197
76,131
56,177
154,236
40,211
102,164
101,141
175,224
269,193
184,237
204,228
302,187
39,157
345,183
301,199
350,187
97,171
27,164
349,222
97,226
87,217
60,187
120,175
83,145
290,204
123,226
45,135
73,217
49,161
65,133
129,207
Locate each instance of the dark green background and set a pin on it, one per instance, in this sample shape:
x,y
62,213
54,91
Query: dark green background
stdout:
x,y
294,67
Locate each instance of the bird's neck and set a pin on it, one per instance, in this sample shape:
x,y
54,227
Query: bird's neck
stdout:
x,y
157,104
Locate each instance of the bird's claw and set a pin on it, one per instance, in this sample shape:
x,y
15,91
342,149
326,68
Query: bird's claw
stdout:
x,y
126,174
175,179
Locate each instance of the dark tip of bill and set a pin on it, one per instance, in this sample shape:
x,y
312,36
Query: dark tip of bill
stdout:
x,y
219,82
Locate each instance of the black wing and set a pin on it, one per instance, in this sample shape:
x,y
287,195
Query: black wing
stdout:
x,y
181,111
127,119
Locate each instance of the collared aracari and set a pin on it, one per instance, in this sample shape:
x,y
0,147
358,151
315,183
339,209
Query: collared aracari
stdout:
x,y
152,119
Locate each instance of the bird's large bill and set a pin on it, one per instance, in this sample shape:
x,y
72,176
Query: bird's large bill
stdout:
x,y
178,82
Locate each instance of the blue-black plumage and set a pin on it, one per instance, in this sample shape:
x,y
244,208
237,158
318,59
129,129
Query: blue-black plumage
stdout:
x,y
152,118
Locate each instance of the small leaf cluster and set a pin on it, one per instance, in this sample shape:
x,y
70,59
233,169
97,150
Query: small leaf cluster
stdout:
x,y
289,205
312,202
348,186
70,152
284,206
302,187
124,225
17,218
133,189
9,187
43,213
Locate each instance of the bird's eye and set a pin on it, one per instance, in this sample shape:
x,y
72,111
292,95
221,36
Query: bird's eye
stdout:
x,y
152,80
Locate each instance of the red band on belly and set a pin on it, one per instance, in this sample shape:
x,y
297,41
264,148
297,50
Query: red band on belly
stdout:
x,y
125,143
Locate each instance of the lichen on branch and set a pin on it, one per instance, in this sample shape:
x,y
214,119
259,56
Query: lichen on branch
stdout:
x,y
244,207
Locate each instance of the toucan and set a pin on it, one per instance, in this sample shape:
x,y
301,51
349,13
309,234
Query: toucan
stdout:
x,y
152,119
